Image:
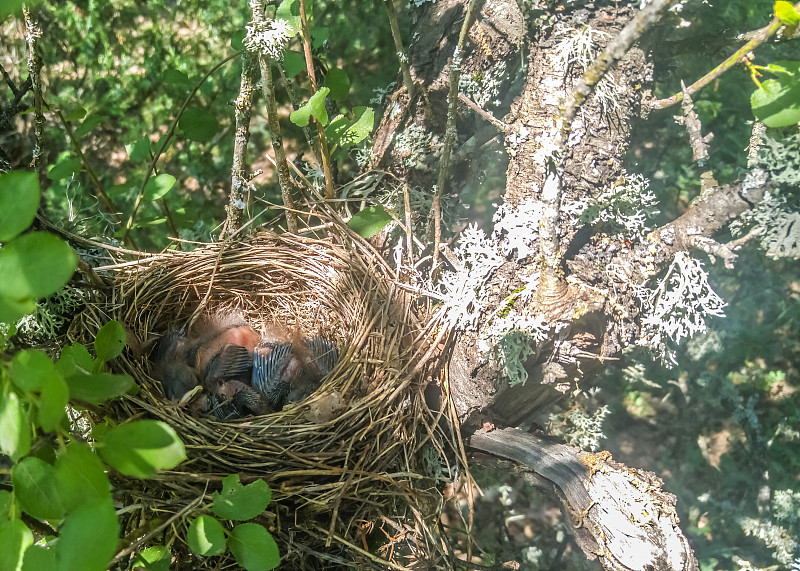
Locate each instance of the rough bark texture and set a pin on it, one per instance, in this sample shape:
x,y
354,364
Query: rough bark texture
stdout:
x,y
585,284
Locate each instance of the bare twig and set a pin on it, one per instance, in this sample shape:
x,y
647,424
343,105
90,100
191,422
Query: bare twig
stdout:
x,y
284,179
323,141
450,129
239,176
699,143
758,38
497,123
401,53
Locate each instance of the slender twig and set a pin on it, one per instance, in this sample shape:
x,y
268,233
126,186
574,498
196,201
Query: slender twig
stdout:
x,y
409,231
165,142
323,141
759,38
450,129
312,143
239,176
284,179
401,52
497,123
32,35
698,142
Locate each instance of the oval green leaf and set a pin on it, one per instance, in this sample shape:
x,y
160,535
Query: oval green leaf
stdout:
x,y
88,539
30,368
53,400
368,222
198,124
237,39
99,387
140,150
339,83
158,186
777,102
315,106
19,201
110,341
38,558
786,13
155,558
293,63
206,536
35,487
254,547
177,77
35,265
142,448
15,430
75,359
80,476
237,502
64,169
88,124
11,310
16,538
361,127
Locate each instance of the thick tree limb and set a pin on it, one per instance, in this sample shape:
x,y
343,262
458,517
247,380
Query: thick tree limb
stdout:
x,y
619,515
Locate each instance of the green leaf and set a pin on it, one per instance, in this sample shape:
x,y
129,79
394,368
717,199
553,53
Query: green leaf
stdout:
x,y
158,186
16,538
319,36
53,400
198,124
29,369
785,67
88,539
142,448
88,124
369,221
11,310
254,547
155,558
206,536
80,476
140,151
110,341
10,7
64,168
339,83
786,13
35,487
361,127
19,201
315,106
76,114
35,265
177,77
237,39
75,359
238,502
336,128
15,429
293,63
776,103
98,387
38,558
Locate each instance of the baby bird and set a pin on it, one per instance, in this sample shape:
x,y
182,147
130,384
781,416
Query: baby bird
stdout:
x,y
170,365
290,371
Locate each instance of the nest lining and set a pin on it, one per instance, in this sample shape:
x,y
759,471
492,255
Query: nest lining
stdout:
x,y
349,453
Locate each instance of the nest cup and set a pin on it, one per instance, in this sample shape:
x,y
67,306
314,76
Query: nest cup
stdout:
x,y
345,457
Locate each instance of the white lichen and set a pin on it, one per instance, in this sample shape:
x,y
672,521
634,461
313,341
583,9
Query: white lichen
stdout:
x,y
268,37
678,306
623,208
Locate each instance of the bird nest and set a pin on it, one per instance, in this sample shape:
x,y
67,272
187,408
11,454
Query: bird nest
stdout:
x,y
352,467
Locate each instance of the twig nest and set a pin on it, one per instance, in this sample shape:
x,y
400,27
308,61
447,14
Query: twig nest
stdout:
x,y
345,454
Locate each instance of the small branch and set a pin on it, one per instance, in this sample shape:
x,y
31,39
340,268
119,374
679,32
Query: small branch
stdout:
x,y
309,136
756,141
497,123
284,179
239,177
330,192
699,143
618,514
450,129
401,53
32,35
759,38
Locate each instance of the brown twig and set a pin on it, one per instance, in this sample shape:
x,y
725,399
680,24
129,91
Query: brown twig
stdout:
x,y
759,38
497,123
32,35
401,52
330,192
698,142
